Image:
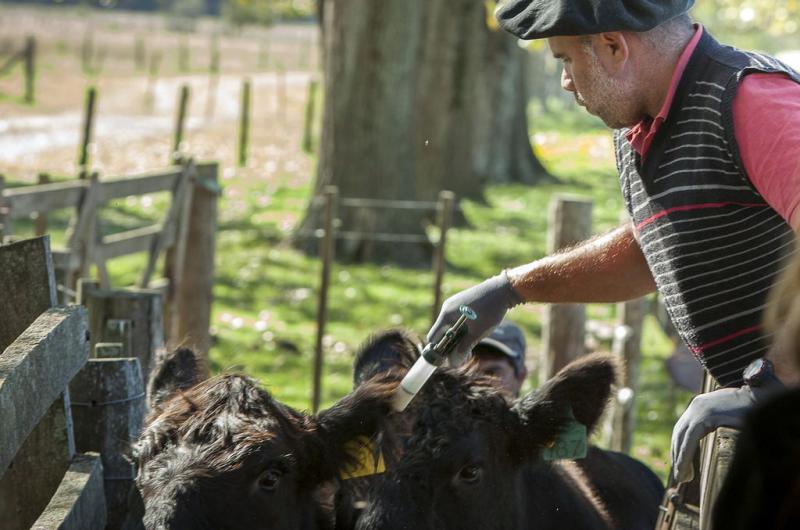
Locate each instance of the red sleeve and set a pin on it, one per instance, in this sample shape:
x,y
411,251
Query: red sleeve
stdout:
x,y
766,118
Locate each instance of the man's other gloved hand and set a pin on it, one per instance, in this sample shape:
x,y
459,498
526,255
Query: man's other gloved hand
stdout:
x,y
722,408
490,299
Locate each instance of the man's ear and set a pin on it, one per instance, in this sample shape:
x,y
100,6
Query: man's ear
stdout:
x,y
176,371
612,50
582,388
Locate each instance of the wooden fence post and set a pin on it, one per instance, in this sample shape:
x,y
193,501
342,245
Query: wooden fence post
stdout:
x,y
30,68
191,282
328,244
184,58
244,123
41,217
445,214
183,101
308,129
263,53
152,78
133,317
41,348
214,55
564,324
87,52
280,94
86,139
108,407
627,346
139,53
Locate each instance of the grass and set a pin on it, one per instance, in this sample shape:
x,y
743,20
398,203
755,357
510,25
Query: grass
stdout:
x,y
265,292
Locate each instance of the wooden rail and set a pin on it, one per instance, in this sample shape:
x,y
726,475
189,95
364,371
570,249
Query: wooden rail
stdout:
x,y
190,215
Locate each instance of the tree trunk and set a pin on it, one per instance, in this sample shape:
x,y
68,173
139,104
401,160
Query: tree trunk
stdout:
x,y
420,96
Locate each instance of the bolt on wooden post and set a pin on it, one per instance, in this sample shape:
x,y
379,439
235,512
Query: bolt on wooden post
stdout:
x,y
445,213
327,246
570,222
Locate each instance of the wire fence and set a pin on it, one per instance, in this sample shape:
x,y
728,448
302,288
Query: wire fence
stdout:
x,y
329,234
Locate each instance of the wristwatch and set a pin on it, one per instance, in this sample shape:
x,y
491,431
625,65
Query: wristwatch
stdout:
x,y
760,373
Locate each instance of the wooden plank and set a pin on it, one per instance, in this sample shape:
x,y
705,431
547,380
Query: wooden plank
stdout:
x,y
79,502
35,369
44,197
192,277
27,284
132,241
141,184
171,223
27,200
37,468
81,233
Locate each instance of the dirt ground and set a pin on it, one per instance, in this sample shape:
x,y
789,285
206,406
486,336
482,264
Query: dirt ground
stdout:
x,y
136,111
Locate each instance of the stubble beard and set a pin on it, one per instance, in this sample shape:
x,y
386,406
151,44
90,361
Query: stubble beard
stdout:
x,y
611,98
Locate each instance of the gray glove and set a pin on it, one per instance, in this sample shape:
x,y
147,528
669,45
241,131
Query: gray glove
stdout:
x,y
490,299
726,407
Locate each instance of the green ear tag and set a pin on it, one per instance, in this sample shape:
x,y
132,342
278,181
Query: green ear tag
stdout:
x,y
571,444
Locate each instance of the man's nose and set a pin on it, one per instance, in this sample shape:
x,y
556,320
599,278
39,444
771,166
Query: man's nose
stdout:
x,y
566,81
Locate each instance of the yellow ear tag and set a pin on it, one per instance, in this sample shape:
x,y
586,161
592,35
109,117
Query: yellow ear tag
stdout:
x,y
364,453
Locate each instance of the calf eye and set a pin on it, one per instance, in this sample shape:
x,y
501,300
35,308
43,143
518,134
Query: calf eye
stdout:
x,y
269,480
470,474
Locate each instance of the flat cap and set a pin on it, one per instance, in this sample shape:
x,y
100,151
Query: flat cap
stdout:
x,y
538,19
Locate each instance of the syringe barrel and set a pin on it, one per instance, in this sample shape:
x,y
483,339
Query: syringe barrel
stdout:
x,y
412,383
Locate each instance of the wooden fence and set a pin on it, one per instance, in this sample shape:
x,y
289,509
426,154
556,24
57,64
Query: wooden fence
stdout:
x,y
27,58
184,238
330,201
44,483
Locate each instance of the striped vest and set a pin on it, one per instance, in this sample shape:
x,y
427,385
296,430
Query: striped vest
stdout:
x,y
713,244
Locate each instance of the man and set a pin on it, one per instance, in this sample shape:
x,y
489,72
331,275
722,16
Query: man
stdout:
x,y
707,144
501,355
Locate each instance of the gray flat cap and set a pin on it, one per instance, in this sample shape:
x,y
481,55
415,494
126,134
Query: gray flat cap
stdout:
x,y
538,19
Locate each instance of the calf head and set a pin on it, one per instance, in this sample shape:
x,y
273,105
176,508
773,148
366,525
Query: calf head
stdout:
x,y
463,461
224,454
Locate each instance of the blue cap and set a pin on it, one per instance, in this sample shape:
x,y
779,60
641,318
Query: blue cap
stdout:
x,y
508,339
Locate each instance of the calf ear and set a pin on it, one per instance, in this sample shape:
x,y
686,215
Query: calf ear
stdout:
x,y
176,371
583,388
362,413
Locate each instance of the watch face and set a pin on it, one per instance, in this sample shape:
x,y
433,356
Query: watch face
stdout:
x,y
754,371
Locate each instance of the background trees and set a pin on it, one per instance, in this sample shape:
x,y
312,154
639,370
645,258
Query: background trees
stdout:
x,y
420,96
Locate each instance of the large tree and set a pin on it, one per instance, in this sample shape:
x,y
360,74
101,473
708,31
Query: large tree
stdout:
x,y
420,96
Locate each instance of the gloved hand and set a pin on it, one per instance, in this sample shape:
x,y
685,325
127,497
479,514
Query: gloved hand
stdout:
x,y
722,408
490,299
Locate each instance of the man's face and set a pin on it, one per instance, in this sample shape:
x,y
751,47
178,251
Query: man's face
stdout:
x,y
584,73
498,367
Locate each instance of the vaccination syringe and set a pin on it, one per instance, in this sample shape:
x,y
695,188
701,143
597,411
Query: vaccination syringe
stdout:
x,y
432,356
